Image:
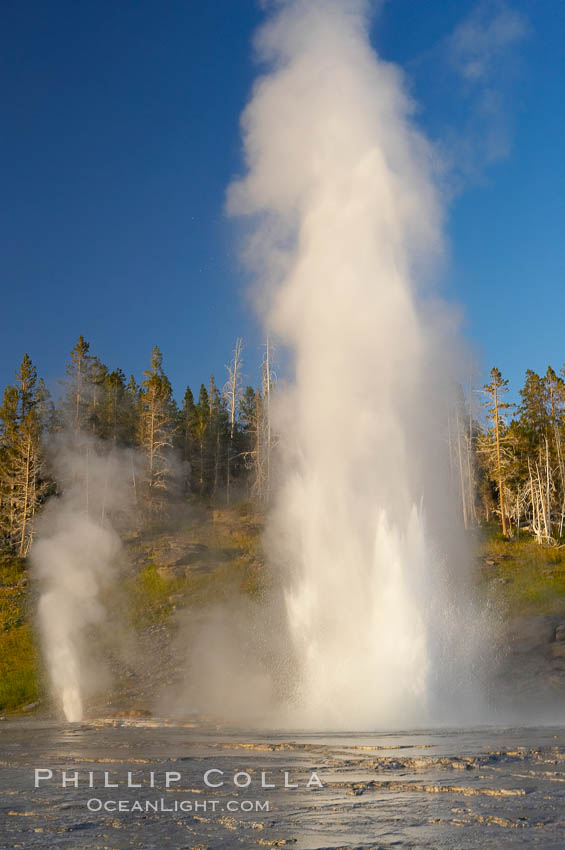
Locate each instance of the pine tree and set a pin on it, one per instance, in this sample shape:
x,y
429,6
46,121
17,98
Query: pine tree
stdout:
x,y
218,436
8,441
201,433
118,415
21,456
83,405
96,378
556,390
534,424
232,396
495,406
157,420
131,412
77,379
187,430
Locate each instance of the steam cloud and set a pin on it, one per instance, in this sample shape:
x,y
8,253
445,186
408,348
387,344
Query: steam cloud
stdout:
x,y
345,235
74,560
344,240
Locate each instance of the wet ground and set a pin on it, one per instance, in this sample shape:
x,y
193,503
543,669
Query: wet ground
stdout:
x,y
441,789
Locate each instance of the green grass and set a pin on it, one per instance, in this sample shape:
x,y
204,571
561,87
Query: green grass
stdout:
x,y
151,598
527,578
147,598
245,542
19,678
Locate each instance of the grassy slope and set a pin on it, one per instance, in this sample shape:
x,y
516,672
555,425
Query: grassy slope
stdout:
x,y
525,579
230,562
19,680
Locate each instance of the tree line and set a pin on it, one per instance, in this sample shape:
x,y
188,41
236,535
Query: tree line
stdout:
x,y
510,465
507,463
215,447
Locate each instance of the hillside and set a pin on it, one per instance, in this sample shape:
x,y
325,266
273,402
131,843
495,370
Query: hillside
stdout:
x,y
214,555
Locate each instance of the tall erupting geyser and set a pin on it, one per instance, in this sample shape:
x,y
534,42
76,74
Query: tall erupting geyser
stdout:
x,y
345,233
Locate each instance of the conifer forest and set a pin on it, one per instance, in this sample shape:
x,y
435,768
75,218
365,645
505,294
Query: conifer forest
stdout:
x,y
217,445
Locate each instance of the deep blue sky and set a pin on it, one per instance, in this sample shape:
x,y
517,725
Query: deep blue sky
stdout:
x,y
119,135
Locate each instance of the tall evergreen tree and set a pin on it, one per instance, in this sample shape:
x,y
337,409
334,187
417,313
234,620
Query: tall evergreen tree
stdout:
x,y
187,431
77,372
157,421
8,441
21,457
118,415
201,430
232,398
83,405
218,437
495,407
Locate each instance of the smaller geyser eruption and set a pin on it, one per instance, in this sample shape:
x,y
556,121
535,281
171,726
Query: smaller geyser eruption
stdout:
x,y
74,561
73,565
346,230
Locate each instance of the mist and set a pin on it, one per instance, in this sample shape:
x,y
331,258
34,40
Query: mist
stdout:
x,y
345,242
75,563
368,618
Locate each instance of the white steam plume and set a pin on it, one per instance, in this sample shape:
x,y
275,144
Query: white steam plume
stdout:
x,y
75,562
346,232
